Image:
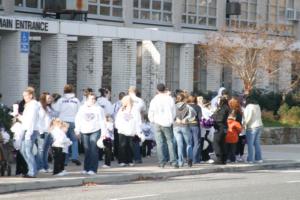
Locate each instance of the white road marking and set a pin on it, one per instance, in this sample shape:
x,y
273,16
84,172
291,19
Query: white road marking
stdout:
x,y
136,197
293,182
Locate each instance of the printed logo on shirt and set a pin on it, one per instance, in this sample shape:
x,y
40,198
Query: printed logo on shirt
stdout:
x,y
69,101
90,116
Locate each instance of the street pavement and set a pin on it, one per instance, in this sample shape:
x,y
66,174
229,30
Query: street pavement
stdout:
x,y
262,185
275,156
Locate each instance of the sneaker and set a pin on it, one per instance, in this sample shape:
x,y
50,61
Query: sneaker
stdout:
x,y
61,174
65,172
49,170
77,162
131,164
162,165
122,165
91,172
175,166
259,161
42,171
210,161
105,166
83,172
249,162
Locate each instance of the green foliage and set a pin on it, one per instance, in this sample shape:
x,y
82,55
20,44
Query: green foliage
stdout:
x,y
269,101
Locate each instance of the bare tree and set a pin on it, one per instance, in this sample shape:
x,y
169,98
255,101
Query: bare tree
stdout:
x,y
250,51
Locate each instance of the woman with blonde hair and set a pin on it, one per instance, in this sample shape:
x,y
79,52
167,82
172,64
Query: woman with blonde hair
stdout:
x,y
128,122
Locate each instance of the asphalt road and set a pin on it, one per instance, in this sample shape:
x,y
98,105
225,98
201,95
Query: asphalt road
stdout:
x,y
261,185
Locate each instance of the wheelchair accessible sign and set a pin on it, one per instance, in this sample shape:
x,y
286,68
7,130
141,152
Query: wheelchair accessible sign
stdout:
x,y
24,42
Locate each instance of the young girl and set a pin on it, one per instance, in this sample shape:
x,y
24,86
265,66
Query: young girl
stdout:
x,y
147,130
108,139
61,143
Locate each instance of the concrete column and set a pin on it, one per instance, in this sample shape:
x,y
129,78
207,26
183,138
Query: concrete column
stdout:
x,y
8,7
262,8
237,83
128,12
89,63
123,65
153,68
262,79
13,67
186,68
214,72
221,14
177,7
54,63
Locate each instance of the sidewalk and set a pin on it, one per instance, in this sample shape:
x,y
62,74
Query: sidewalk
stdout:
x,y
275,157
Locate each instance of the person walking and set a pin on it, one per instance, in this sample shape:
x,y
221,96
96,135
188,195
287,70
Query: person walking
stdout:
x,y
67,106
29,120
162,113
254,126
89,123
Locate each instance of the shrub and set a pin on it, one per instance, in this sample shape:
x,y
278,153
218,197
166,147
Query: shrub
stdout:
x,y
290,116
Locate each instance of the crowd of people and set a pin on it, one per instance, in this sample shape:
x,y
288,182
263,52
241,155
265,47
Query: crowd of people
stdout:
x,y
186,129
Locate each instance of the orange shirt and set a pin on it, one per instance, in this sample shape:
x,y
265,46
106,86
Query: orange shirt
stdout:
x,y
233,131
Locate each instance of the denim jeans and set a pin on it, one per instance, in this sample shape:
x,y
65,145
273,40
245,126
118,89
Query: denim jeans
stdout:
x,y
44,142
27,152
164,138
74,147
196,143
90,151
137,151
183,139
253,140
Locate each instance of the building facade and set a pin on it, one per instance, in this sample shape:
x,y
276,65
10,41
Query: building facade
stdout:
x,y
127,42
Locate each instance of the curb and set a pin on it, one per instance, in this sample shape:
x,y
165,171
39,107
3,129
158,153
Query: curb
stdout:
x,y
113,179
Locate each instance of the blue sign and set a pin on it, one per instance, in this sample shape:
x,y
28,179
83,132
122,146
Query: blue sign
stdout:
x,y
24,42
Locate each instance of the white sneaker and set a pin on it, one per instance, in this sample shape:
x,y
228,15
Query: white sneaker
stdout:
x,y
131,164
259,161
105,166
210,161
65,172
61,174
49,170
83,172
122,165
91,173
42,171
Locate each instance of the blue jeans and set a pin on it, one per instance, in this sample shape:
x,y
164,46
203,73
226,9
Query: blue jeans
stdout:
x,y
44,142
27,152
74,146
164,137
196,144
183,139
137,151
253,140
90,151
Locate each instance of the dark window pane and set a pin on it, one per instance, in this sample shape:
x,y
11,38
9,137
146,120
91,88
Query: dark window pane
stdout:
x,y
92,9
145,15
183,19
105,10
156,5
105,1
156,16
167,17
145,3
168,6
192,19
117,2
32,3
19,2
117,12
212,22
202,21
136,3
136,14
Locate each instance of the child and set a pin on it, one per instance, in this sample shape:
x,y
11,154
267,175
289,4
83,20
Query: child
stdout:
x,y
149,137
61,143
232,136
108,141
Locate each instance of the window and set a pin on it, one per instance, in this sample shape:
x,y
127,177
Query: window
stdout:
x,y
248,17
153,10
277,11
31,4
109,8
200,12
